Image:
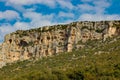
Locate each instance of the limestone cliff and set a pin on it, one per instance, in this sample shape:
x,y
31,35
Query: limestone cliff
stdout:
x,y
52,40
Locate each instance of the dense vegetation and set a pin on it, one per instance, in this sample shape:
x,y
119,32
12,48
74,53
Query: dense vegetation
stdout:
x,y
97,61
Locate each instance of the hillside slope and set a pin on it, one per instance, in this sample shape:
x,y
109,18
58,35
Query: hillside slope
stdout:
x,y
96,61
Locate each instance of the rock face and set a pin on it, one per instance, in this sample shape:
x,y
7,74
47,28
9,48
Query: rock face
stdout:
x,y
51,40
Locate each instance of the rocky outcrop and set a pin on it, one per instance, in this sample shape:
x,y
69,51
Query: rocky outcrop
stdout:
x,y
52,40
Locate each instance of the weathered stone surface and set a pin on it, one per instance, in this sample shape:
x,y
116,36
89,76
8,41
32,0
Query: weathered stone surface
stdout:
x,y
52,40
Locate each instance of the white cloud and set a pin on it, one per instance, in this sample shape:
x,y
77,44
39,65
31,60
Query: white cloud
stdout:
x,y
86,7
30,2
96,6
101,3
19,4
66,15
38,19
65,4
9,15
86,0
101,6
95,10
97,17
21,26
5,29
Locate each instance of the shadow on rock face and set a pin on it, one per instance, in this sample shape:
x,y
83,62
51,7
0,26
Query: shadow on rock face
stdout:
x,y
23,43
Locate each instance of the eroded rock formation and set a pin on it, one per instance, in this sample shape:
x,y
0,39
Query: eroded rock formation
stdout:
x,y
51,40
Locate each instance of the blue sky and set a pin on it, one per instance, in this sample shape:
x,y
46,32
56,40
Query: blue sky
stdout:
x,y
27,14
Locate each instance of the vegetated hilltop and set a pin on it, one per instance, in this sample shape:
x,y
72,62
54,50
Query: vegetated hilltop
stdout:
x,y
51,40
